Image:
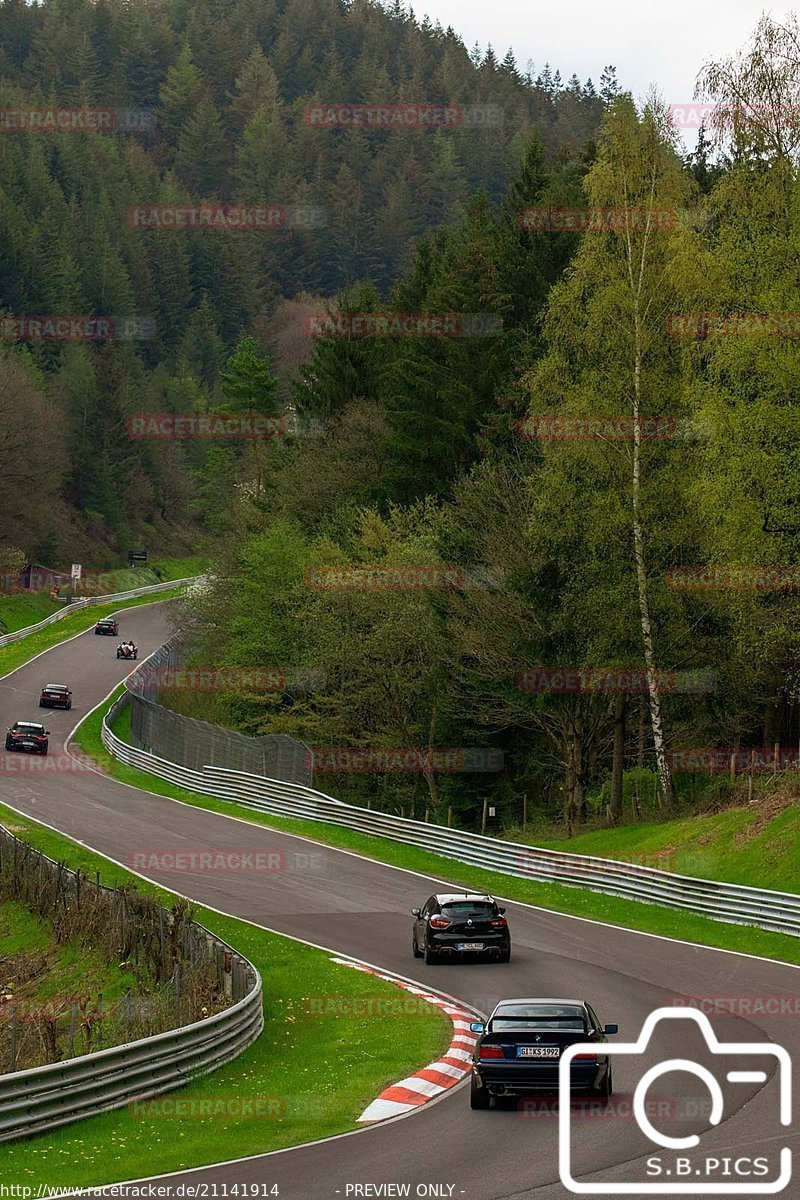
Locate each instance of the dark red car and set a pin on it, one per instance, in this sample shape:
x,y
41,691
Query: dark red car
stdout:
x,y
29,736
55,695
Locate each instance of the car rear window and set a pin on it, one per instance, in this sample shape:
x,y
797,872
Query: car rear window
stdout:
x,y
557,1018
469,908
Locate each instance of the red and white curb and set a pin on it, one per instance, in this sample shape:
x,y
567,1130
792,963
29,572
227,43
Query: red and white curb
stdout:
x,y
438,1076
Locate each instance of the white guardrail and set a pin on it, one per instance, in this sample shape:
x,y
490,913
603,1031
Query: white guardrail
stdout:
x,y
737,904
149,589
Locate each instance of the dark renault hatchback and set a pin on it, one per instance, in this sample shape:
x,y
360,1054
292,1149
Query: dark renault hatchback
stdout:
x,y
455,925
521,1044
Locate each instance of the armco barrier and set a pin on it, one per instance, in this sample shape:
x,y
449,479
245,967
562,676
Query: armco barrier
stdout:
x,y
733,903
42,1098
153,588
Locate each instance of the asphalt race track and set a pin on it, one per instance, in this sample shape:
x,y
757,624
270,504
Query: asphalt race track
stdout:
x,y
361,908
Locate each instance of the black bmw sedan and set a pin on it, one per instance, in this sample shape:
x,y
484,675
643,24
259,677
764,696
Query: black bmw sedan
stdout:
x,y
521,1044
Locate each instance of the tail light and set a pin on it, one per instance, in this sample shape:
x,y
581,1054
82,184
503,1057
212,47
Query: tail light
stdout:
x,y
498,923
491,1052
439,922
586,1057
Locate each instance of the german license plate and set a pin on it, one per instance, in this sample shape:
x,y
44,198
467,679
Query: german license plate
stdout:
x,y
29,744
470,945
537,1051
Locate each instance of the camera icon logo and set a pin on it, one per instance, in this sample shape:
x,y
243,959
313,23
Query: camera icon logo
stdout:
x,y
697,1173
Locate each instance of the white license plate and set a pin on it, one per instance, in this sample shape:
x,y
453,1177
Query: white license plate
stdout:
x,y
31,744
537,1051
470,946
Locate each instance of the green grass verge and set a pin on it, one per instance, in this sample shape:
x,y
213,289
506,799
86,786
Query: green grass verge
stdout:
x,y
757,845
314,1073
19,611
614,910
18,653
57,970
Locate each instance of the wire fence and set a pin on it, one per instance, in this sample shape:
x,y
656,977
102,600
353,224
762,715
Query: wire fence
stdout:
x,y
193,743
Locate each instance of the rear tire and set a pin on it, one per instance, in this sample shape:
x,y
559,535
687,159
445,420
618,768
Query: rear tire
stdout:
x,y
478,1097
415,950
431,957
504,958
605,1092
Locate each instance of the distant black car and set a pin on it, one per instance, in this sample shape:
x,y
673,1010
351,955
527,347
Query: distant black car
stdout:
x,y
29,736
55,695
452,925
108,626
520,1046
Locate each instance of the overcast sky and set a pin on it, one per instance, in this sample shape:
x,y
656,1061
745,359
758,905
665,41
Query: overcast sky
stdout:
x,y
664,43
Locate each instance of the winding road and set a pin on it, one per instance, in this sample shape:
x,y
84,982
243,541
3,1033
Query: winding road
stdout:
x,y
360,908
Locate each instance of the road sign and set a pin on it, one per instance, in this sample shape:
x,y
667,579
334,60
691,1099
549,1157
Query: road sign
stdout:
x,y
76,571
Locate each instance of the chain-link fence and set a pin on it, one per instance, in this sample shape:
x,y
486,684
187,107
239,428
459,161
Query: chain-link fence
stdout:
x,y
197,744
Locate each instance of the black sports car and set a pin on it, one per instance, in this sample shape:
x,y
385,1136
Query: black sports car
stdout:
x,y
29,736
454,924
55,695
108,626
520,1046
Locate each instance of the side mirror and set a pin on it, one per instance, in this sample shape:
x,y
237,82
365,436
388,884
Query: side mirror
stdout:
x,y
502,911
477,1027
415,912
611,1029
47,733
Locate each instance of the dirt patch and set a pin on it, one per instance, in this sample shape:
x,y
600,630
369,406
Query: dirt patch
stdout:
x,y
19,971
766,809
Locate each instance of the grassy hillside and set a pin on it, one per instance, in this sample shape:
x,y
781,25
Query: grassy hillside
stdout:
x,y
755,843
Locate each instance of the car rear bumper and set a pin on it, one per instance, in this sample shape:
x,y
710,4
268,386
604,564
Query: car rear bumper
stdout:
x,y
45,703
42,749
451,946
512,1079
